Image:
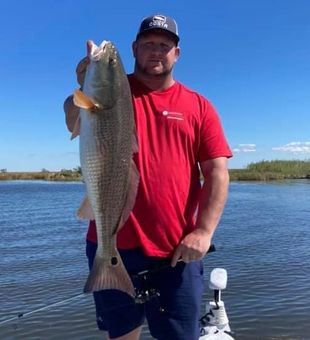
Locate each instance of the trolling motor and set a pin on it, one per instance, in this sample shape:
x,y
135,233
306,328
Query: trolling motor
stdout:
x,y
214,325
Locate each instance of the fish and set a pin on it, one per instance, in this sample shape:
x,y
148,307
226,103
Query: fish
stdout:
x,y
107,144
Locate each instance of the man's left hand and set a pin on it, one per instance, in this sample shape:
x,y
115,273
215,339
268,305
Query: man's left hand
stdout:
x,y
193,247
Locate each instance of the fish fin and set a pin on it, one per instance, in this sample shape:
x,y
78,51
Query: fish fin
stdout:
x,y
81,100
135,147
131,195
76,128
105,275
85,210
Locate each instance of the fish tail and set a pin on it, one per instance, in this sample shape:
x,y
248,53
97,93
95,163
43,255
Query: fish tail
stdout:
x,y
109,274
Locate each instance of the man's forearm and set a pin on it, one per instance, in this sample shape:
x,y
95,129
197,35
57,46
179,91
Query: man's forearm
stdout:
x,y
212,200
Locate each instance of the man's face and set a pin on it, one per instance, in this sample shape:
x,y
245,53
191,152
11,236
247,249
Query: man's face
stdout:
x,y
155,54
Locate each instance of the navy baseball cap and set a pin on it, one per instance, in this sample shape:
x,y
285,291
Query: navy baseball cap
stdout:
x,y
159,22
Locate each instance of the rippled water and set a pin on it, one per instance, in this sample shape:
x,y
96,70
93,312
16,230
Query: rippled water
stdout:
x,y
262,241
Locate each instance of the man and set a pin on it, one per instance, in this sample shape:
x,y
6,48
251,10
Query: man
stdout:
x,y
179,133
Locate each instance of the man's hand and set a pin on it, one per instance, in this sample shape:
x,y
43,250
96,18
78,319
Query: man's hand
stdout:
x,y
81,70
193,247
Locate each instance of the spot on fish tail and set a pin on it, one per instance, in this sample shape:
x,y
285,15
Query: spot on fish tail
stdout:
x,y
114,261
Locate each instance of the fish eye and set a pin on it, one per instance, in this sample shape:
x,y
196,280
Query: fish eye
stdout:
x,y
112,61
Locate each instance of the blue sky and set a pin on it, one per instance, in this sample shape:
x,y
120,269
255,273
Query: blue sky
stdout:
x,y
251,58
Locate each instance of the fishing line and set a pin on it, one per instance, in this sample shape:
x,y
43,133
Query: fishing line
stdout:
x,y
59,303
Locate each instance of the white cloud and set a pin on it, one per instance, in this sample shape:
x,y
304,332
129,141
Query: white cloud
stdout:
x,y
294,147
245,148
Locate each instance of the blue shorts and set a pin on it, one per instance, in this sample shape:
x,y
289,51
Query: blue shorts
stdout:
x,y
172,315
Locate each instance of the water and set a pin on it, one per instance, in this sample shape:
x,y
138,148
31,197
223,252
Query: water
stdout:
x,y
263,242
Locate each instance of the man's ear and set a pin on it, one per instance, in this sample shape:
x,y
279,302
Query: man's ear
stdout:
x,y
134,49
177,53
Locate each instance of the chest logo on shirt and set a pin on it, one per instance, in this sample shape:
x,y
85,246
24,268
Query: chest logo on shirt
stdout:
x,y
173,115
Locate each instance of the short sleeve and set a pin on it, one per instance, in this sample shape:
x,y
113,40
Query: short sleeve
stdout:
x,y
212,140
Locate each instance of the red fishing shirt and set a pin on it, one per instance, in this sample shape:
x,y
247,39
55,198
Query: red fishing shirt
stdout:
x,y
176,128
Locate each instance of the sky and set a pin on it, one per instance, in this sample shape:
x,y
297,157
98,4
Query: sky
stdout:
x,y
250,58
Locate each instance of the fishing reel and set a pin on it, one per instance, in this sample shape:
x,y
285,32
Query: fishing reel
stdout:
x,y
145,295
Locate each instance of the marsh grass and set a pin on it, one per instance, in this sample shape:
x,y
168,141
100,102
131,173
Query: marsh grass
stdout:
x,y
45,175
272,170
261,171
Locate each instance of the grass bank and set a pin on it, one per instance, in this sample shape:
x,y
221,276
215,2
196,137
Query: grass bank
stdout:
x,y
272,170
261,171
63,175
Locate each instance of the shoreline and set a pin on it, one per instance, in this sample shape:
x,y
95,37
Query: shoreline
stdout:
x,y
276,170
71,176
62,175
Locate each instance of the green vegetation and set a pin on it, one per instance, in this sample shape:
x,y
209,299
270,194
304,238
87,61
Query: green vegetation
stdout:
x,y
45,175
261,171
272,170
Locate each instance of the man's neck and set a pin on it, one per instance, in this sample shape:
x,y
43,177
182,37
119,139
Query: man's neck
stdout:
x,y
155,83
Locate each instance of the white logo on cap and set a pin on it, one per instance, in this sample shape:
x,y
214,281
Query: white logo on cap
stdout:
x,y
158,21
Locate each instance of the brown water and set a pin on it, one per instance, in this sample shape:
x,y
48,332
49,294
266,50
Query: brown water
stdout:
x,y
262,241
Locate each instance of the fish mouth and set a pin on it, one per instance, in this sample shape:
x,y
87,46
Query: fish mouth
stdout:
x,y
95,53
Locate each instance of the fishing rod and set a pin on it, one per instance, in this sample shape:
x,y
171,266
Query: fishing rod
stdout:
x,y
59,303
166,263
147,292
141,296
